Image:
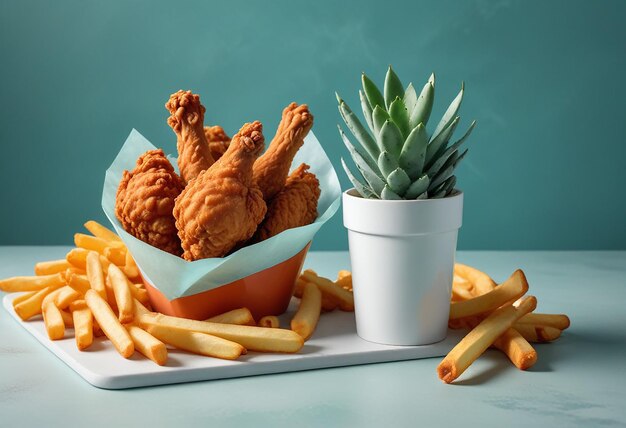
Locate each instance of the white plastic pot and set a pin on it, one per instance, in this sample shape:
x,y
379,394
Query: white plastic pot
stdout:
x,y
402,256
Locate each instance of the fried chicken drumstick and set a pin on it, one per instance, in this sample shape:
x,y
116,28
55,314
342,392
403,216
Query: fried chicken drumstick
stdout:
x,y
187,121
223,206
294,206
271,169
145,200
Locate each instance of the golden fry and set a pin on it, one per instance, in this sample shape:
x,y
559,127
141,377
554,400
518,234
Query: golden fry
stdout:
x,y
123,296
513,288
83,324
25,296
308,314
517,348
299,288
481,337
116,255
79,283
30,307
95,273
101,231
326,286
344,279
480,280
61,297
51,267
89,242
269,321
198,343
537,333
67,318
148,345
109,323
241,316
559,321
53,321
31,283
252,338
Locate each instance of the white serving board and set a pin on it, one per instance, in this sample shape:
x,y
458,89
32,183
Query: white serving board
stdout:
x,y
334,344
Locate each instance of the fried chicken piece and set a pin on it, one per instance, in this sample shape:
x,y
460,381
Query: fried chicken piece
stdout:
x,y
270,171
145,200
222,207
218,140
294,206
187,121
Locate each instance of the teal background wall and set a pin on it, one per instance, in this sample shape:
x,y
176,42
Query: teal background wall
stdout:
x,y
545,81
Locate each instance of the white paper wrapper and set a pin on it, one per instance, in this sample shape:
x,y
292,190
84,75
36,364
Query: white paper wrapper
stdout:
x,y
175,277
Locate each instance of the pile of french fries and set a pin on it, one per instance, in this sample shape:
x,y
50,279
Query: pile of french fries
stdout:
x,y
499,316
97,291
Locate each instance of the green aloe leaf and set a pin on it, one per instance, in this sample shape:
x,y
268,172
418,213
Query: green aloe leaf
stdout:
x,y
379,116
413,154
366,165
459,159
360,187
390,139
387,164
449,184
398,181
374,97
367,110
410,97
450,113
357,129
393,87
444,188
387,193
437,145
440,178
400,116
423,107
417,188
442,162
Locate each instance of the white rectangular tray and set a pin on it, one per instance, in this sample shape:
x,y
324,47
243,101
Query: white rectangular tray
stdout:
x,y
334,344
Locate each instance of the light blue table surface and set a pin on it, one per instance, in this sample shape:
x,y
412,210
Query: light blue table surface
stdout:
x,y
578,381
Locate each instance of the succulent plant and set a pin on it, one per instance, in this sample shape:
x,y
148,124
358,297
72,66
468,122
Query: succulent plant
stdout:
x,y
397,158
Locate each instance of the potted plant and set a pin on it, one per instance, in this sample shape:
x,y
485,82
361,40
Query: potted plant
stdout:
x,y
404,211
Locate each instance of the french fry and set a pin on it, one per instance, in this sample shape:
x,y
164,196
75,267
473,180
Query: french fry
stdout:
x,y
558,321
241,316
198,343
517,348
30,307
110,294
95,273
299,288
308,314
139,293
89,242
101,231
51,267
123,296
148,345
344,279
326,286
31,283
460,294
269,321
61,297
67,318
116,255
536,333
79,283
53,321
109,324
481,337
25,296
83,324
77,257
513,288
252,338
481,281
